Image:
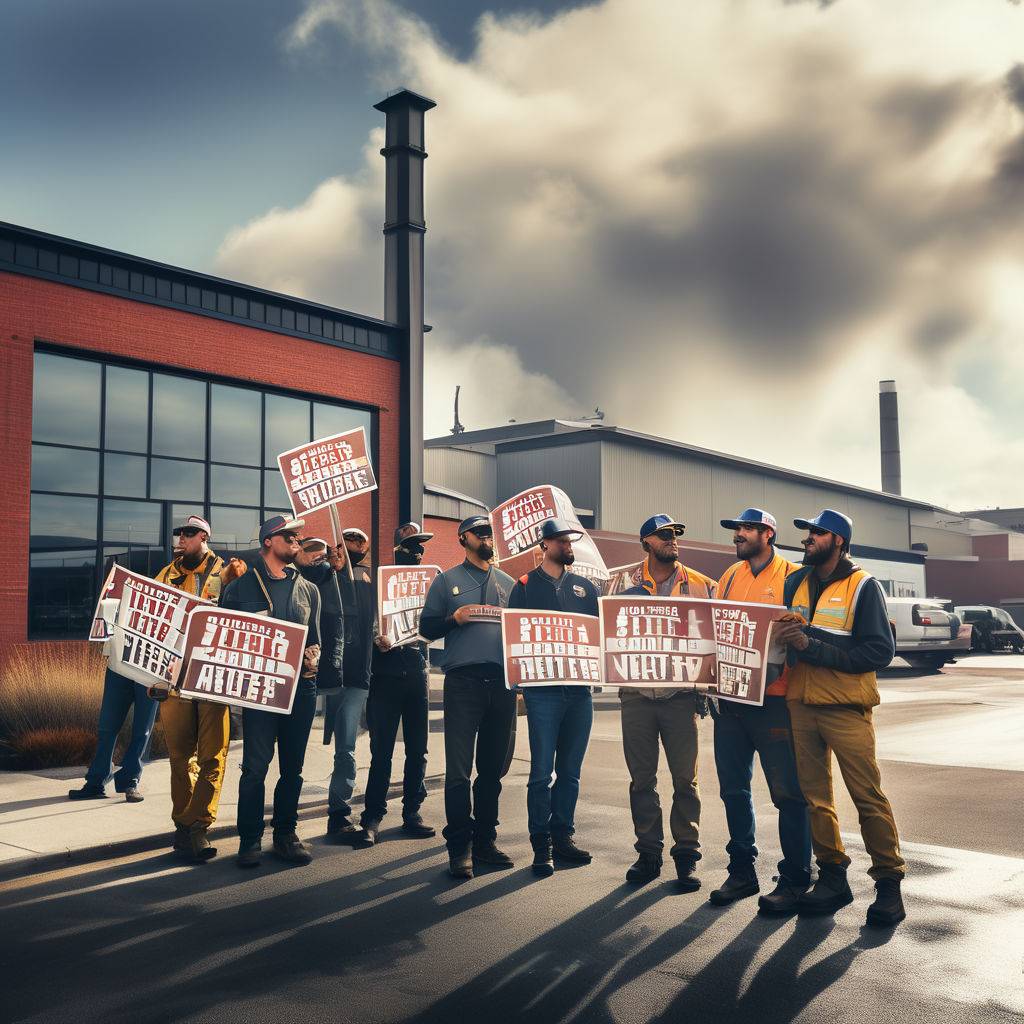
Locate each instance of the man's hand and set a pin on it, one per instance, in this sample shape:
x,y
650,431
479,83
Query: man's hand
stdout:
x,y
337,557
382,643
461,615
792,633
235,568
310,661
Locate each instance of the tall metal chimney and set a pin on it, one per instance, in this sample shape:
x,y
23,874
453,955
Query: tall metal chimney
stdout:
x,y
889,431
404,228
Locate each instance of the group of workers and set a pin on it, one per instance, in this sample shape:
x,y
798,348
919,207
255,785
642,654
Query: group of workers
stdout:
x,y
818,701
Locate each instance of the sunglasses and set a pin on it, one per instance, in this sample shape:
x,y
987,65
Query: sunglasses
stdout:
x,y
669,532
817,531
190,531
482,532
288,537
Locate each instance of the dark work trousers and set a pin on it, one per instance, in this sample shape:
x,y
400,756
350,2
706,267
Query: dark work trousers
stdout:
x,y
479,713
395,699
261,730
740,731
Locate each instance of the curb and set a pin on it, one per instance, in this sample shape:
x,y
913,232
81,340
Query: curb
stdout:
x,y
38,864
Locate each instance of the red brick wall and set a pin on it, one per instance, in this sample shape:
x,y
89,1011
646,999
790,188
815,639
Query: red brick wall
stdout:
x,y
984,582
32,310
444,550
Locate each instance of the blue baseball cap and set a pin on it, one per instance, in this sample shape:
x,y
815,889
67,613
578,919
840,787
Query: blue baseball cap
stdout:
x,y
659,522
552,528
279,524
751,517
831,520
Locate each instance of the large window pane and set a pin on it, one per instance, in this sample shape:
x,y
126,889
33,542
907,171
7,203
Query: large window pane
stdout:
x,y
63,523
176,480
127,410
132,535
236,486
62,593
234,530
287,423
274,492
124,475
66,400
64,469
335,419
235,428
179,417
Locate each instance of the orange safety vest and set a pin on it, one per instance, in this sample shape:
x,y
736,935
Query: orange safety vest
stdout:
x,y
835,612
688,582
738,583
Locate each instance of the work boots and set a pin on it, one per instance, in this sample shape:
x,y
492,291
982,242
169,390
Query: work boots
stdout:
x,y
543,861
368,836
686,872
887,910
783,899
485,852
460,862
341,830
741,883
830,892
289,847
564,848
182,840
90,791
414,825
644,869
199,845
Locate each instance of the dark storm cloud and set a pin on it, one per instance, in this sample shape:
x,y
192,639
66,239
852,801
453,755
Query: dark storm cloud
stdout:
x,y
920,113
1015,86
941,329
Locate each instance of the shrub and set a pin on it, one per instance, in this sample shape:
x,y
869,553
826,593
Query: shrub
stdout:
x,y
54,748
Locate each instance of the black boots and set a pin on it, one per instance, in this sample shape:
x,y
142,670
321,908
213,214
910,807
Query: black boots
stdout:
x,y
543,859
783,899
485,852
741,883
460,862
564,848
414,825
341,830
830,892
887,910
686,871
645,869
367,836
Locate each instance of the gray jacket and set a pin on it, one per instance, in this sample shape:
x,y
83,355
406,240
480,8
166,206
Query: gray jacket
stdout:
x,y
476,644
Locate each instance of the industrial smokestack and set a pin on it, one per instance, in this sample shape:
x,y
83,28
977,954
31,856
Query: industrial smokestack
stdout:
x,y
889,431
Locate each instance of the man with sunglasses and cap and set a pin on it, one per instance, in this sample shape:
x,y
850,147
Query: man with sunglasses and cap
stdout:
x,y
665,716
741,730
479,709
272,586
559,718
399,693
838,639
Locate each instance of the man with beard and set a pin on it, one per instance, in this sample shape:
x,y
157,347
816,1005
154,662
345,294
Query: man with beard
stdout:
x,y
313,563
559,717
479,710
743,729
398,693
197,731
667,714
835,648
273,587
343,711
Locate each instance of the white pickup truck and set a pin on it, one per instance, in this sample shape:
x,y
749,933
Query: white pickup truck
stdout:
x,y
926,634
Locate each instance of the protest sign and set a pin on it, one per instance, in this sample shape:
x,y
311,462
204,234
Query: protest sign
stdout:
x,y
516,524
743,634
147,634
103,618
623,577
401,595
327,471
241,658
545,648
483,613
657,641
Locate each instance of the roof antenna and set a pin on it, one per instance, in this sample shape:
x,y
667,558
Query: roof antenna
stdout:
x,y
458,428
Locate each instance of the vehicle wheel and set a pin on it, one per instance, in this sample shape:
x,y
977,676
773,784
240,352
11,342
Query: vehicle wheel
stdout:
x,y
924,663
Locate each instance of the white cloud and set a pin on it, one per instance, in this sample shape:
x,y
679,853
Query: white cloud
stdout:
x,y
722,222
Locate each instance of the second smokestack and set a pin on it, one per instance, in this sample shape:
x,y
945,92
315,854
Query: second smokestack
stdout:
x,y
889,430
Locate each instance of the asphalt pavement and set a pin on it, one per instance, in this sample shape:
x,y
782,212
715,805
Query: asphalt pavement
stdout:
x,y
385,935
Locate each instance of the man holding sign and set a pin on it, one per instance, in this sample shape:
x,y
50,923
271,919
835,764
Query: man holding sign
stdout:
x,y
479,709
559,717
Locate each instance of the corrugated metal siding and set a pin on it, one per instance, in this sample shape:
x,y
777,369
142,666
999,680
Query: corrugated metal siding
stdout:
x,y
448,508
472,473
941,542
575,468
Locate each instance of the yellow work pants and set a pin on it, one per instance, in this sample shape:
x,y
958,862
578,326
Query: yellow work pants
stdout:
x,y
848,732
197,734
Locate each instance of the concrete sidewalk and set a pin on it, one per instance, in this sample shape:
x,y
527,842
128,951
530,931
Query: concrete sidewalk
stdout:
x,y
40,828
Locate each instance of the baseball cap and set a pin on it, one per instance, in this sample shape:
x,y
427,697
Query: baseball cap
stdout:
x,y
831,520
552,528
411,531
472,522
193,522
659,522
278,524
355,529
752,517
314,542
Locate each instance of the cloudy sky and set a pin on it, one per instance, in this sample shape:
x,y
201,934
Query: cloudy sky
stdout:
x,y
722,221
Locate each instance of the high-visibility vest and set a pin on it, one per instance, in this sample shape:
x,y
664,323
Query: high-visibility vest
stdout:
x,y
834,613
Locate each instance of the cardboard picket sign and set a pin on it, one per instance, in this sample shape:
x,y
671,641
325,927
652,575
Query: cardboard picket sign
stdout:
x,y
327,471
401,595
102,627
484,613
722,647
623,577
544,648
242,659
516,524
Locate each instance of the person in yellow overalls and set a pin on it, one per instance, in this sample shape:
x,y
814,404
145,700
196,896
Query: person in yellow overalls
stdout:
x,y
196,731
835,648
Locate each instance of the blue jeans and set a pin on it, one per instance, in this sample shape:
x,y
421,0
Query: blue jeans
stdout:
x,y
348,702
260,731
559,720
119,695
740,730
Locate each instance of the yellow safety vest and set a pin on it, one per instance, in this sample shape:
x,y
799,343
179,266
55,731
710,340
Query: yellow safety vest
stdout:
x,y
834,613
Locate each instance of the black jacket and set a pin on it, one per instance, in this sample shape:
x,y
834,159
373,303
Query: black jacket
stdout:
x,y
358,599
330,675
406,662
570,593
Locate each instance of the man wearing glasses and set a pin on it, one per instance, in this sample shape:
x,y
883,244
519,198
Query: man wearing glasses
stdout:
x,y
273,587
841,639
479,710
665,714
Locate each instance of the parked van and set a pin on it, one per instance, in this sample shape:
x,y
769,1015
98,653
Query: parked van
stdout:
x,y
927,636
